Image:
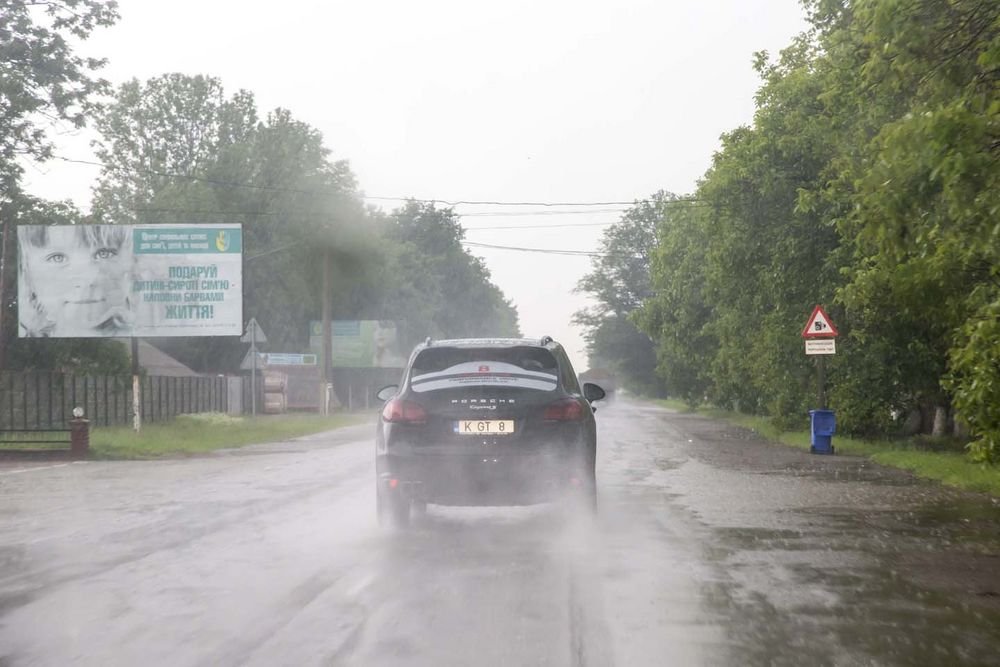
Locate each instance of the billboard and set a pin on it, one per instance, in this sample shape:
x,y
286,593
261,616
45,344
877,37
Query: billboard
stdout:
x,y
102,281
360,343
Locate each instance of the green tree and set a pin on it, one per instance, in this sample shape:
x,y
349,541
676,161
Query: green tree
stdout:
x,y
923,194
676,314
867,182
178,149
619,282
167,135
435,287
768,259
43,82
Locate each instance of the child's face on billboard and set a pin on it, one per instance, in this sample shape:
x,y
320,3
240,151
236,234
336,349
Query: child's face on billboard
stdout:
x,y
80,285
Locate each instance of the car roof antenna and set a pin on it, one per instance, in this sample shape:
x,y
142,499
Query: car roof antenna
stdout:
x,y
428,341
546,340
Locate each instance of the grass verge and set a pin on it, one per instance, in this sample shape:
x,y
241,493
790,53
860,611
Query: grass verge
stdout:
x,y
948,467
193,434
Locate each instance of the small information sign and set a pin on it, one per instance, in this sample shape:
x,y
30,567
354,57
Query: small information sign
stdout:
x,y
821,346
289,359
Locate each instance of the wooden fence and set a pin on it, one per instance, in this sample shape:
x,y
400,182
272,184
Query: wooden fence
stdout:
x,y
41,400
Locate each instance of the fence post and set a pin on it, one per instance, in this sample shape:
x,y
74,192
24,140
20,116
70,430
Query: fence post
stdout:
x,y
79,437
10,388
50,383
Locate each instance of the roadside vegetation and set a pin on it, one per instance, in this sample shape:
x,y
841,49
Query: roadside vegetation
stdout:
x,y
868,182
180,147
942,459
200,433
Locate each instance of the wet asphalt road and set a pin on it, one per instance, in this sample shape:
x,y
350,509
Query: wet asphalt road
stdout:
x,y
711,548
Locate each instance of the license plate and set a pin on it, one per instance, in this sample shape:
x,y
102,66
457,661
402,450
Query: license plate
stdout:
x,y
484,426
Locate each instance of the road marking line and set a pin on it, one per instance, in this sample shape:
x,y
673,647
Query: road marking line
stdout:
x,y
20,470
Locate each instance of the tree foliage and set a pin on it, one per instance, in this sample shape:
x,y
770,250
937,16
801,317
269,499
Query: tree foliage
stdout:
x,y
619,282
44,84
435,286
177,148
43,81
868,183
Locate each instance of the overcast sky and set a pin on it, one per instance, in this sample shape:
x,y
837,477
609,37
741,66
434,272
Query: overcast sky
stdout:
x,y
457,99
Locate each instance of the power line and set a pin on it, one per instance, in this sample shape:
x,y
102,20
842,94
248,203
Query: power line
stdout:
x,y
547,251
482,214
273,250
578,224
518,214
198,179
186,211
181,211
470,202
446,202
472,244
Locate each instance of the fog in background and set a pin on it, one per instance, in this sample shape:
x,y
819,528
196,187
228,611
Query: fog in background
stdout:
x,y
448,100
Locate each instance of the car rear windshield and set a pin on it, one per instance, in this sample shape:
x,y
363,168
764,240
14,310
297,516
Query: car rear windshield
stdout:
x,y
515,367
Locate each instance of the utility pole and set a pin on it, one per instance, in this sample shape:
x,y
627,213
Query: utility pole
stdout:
x,y
326,347
136,388
253,369
5,214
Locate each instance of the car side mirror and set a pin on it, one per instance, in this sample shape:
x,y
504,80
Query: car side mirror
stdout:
x,y
385,393
592,392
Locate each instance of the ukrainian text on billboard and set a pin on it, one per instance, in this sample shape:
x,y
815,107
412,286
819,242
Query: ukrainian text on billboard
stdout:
x,y
95,281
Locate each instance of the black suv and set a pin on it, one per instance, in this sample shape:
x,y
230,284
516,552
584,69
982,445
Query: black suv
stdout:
x,y
485,422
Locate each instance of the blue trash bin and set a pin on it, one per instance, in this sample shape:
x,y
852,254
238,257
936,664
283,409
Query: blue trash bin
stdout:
x,y
822,425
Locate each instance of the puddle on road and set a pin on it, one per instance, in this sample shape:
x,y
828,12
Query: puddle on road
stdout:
x,y
894,586
840,561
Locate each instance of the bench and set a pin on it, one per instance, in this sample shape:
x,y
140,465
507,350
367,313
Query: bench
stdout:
x,y
38,442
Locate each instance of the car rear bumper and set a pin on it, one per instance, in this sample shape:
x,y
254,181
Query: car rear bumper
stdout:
x,y
485,478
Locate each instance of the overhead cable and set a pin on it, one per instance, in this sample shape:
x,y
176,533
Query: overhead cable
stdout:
x,y
549,251
578,224
446,202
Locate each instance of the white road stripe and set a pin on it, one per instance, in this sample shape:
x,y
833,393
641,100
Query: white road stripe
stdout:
x,y
49,467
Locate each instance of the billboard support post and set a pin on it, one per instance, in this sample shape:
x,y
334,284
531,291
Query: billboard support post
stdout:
x,y
136,388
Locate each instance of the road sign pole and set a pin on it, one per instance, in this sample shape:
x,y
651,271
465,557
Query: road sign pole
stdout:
x,y
821,380
250,361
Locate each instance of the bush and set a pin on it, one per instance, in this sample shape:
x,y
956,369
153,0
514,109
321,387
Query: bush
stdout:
x,y
975,380
211,418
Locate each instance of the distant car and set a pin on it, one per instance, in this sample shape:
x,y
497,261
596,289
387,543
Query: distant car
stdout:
x,y
485,422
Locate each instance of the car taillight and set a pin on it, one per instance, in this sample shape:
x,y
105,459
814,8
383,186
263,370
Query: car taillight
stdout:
x,y
566,410
404,412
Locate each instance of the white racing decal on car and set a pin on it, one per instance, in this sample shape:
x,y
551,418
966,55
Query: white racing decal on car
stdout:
x,y
484,373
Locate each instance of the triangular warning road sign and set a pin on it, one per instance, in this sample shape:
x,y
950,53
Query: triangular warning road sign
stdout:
x,y
248,361
253,334
819,325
